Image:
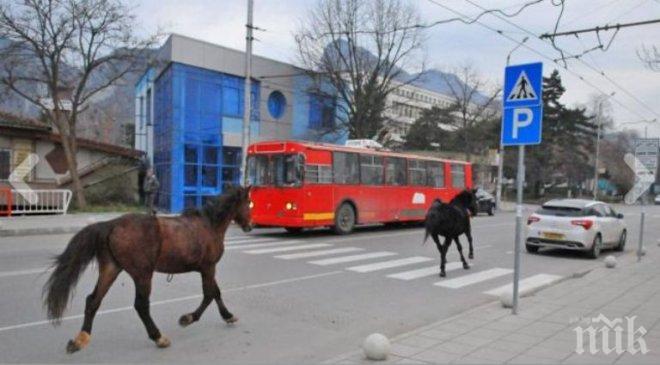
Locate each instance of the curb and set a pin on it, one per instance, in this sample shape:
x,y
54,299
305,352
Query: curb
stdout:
x,y
40,231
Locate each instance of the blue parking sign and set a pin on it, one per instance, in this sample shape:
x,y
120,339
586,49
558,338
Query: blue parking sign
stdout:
x,y
522,102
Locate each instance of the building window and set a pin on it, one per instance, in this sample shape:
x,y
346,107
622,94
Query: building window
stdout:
x,y
345,168
321,112
148,109
276,104
231,101
5,164
457,176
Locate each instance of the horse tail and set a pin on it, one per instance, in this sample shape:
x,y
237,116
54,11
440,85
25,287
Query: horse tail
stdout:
x,y
69,265
426,236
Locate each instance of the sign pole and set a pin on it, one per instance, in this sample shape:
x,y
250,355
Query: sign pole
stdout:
x,y
519,222
641,232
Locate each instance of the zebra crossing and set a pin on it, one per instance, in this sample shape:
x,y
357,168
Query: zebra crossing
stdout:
x,y
359,260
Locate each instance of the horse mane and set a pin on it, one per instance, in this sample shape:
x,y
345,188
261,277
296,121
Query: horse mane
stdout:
x,y
463,198
217,209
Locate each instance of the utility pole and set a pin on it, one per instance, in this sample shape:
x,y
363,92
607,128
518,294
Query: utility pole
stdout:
x,y
500,166
247,107
598,116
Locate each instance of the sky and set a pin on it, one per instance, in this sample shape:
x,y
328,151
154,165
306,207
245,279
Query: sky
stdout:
x,y
636,89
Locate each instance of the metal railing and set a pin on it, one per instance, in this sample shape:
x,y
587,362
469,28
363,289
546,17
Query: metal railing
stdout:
x,y
51,201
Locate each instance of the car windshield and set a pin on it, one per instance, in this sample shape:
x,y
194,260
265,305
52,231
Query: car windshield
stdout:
x,y
561,211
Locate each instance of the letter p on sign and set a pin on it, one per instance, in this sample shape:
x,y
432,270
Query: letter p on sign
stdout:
x,y
522,117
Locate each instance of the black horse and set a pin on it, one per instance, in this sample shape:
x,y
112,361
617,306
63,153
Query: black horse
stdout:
x,y
450,221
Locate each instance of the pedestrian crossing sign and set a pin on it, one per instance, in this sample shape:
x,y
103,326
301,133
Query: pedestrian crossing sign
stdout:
x,y
522,89
522,85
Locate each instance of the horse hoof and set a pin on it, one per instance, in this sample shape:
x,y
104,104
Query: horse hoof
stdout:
x,y
186,320
466,266
80,342
232,319
163,342
442,274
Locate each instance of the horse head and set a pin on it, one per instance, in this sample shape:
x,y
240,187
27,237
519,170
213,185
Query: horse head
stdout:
x,y
243,215
467,199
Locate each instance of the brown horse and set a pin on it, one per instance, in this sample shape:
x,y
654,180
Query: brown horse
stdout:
x,y
141,245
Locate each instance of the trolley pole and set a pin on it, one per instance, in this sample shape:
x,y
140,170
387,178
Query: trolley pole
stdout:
x,y
247,106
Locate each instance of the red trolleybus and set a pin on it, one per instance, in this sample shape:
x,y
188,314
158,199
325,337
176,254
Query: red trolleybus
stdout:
x,y
297,185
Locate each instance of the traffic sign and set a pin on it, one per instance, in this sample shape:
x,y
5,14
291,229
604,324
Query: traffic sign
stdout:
x,y
522,117
523,85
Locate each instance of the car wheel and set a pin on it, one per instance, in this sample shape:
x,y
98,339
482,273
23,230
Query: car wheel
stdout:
x,y
344,219
532,248
594,252
622,241
491,210
294,230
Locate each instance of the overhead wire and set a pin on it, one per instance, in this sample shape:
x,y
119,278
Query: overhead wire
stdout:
x,y
579,76
585,63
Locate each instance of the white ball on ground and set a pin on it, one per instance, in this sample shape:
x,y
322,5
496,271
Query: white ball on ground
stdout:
x,y
610,262
91,220
376,347
506,298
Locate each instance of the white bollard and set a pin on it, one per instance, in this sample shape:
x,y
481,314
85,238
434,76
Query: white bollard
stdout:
x,y
376,347
610,262
506,298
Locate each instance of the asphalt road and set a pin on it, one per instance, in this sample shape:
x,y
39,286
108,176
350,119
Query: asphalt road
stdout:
x,y
298,298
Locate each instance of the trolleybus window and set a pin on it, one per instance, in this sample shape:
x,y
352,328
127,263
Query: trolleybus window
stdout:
x,y
395,172
371,170
436,174
258,170
346,168
318,174
457,176
417,172
287,170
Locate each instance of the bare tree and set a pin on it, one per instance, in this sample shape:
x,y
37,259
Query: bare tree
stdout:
x,y
60,54
360,50
650,57
473,102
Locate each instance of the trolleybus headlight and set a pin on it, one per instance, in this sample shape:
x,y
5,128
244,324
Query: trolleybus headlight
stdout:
x,y
251,205
290,206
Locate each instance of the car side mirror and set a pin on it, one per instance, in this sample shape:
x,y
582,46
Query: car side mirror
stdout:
x,y
620,216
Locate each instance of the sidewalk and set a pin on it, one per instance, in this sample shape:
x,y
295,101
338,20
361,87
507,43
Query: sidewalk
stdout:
x,y
50,224
543,331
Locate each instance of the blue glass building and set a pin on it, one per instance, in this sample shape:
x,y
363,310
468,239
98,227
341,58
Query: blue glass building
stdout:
x,y
190,114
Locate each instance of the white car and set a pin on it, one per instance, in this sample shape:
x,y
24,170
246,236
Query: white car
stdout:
x,y
657,199
576,224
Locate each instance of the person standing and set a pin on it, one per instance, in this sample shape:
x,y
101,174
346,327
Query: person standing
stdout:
x,y
150,187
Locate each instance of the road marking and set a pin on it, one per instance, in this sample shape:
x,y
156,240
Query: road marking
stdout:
x,y
303,255
260,245
426,271
175,300
389,264
289,248
473,278
344,259
253,240
42,270
527,284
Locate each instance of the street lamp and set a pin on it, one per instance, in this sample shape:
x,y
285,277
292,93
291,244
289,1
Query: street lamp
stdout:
x,y
500,167
646,127
599,117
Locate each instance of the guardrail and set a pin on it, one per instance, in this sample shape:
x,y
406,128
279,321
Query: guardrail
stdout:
x,y
52,201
